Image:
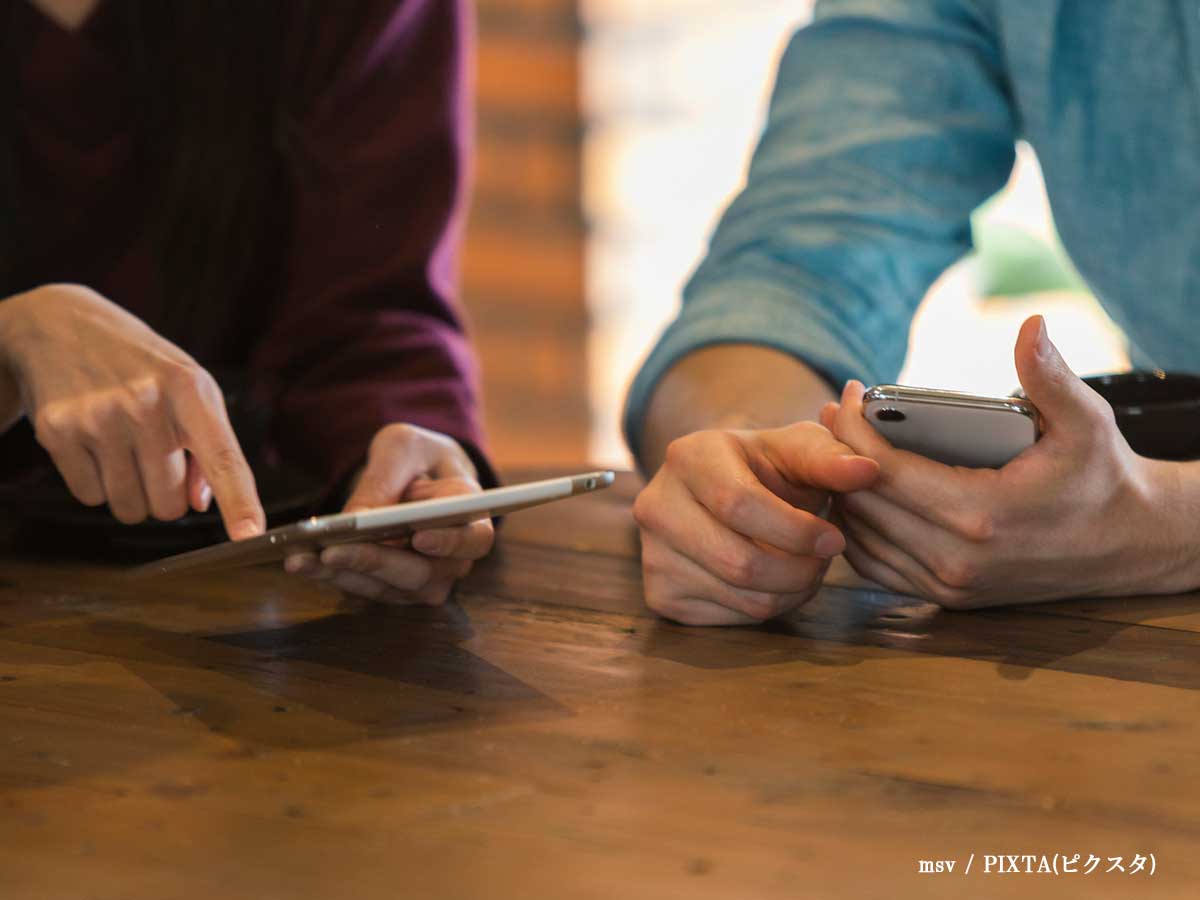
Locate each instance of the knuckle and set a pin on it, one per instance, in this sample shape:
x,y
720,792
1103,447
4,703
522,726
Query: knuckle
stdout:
x,y
678,451
182,376
645,509
54,423
660,590
100,412
87,491
977,527
396,435
949,597
724,445
193,378
762,607
652,509
205,385
682,451
145,392
97,427
168,509
958,573
127,513
654,564
736,565
673,610
89,496
143,401
728,502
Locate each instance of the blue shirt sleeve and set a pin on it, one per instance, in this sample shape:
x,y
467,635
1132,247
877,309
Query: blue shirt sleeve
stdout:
x,y
891,120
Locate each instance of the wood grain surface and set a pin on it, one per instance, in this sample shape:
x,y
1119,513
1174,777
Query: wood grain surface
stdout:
x,y
252,736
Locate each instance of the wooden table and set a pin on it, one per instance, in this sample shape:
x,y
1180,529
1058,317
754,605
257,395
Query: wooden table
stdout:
x,y
249,736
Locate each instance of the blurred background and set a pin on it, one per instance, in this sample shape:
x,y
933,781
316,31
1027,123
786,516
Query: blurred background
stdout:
x,y
612,133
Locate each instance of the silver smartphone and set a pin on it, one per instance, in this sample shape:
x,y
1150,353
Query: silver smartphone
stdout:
x,y
384,523
952,428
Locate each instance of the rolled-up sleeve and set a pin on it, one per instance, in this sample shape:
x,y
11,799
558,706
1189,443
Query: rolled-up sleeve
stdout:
x,y
891,120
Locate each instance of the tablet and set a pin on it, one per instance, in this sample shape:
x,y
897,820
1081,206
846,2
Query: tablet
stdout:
x,y
382,523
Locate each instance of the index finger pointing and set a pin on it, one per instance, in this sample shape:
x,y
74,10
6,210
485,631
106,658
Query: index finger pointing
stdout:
x,y
205,431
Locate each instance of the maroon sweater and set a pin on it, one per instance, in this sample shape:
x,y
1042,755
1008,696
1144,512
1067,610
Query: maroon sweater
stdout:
x,y
361,325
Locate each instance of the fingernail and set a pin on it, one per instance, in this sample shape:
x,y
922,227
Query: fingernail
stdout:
x,y
338,557
1042,345
294,565
829,545
205,498
246,528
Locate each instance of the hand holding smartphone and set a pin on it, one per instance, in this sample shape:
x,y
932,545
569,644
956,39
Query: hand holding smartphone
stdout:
x,y
382,523
950,427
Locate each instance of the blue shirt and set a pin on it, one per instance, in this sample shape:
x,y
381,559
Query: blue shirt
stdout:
x,y
892,120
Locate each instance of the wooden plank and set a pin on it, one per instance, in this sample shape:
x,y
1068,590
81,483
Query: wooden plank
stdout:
x,y
544,735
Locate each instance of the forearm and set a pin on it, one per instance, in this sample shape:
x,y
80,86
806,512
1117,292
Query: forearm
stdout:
x,y
729,386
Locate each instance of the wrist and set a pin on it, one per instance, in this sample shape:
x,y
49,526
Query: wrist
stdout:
x,y
727,387
1170,499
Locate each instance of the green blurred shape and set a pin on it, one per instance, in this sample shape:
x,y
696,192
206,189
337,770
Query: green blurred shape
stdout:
x,y
1013,262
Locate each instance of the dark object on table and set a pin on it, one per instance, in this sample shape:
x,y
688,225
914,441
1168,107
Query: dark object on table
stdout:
x,y
1158,412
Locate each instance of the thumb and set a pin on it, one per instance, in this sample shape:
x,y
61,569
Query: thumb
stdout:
x,y
1064,401
809,455
392,464
400,453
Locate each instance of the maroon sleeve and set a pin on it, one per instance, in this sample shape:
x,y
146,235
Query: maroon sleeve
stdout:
x,y
369,330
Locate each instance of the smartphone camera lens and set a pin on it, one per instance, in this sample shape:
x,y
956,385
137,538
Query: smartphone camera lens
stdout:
x,y
890,415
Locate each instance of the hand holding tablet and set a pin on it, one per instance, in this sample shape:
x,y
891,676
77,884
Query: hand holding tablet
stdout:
x,y
383,523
